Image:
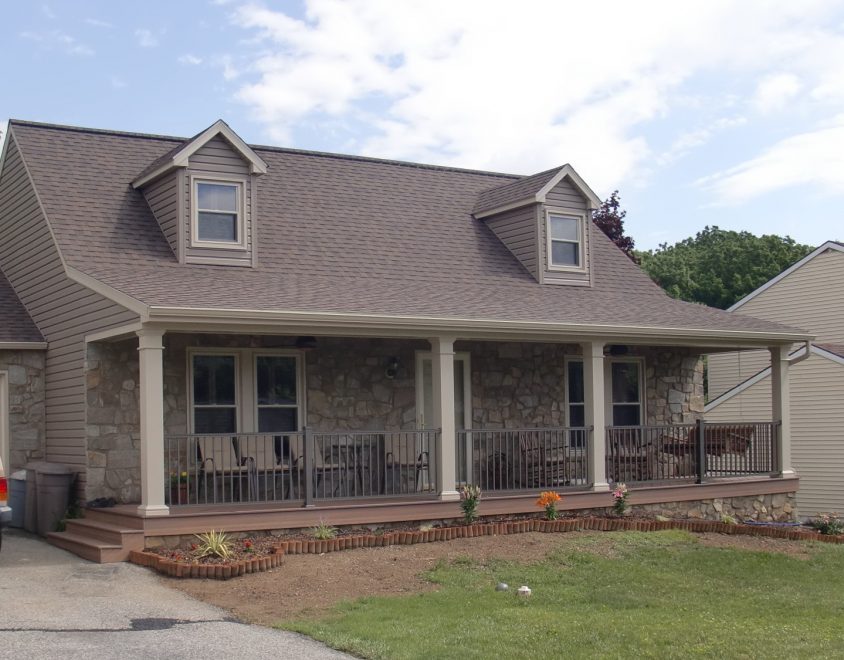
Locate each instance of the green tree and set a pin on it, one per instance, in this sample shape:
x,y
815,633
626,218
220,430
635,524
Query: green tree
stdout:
x,y
719,267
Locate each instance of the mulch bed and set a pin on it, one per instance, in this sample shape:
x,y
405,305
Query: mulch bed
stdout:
x,y
266,553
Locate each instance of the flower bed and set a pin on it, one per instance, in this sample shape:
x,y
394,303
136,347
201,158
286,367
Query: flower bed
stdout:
x,y
269,552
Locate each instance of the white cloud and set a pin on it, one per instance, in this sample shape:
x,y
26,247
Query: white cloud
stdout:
x,y
57,39
146,39
814,158
478,84
192,60
774,91
96,22
48,13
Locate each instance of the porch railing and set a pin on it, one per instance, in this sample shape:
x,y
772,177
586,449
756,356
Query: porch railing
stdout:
x,y
523,459
690,452
299,466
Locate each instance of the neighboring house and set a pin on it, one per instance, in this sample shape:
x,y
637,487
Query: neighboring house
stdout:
x,y
242,337
809,294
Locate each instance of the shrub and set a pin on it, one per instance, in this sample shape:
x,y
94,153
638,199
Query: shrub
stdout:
x,y
214,544
828,523
548,500
469,497
727,519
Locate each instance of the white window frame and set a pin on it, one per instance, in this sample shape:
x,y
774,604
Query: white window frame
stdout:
x,y
608,402
192,353
240,186
580,216
246,384
466,357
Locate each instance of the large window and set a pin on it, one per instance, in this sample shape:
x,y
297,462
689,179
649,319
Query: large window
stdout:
x,y
214,393
217,217
565,241
624,392
277,396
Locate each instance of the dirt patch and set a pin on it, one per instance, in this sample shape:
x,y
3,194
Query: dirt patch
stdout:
x,y
307,585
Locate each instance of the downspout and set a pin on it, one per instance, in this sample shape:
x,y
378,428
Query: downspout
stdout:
x,y
799,358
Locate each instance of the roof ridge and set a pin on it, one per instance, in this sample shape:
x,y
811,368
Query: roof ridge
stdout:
x,y
263,147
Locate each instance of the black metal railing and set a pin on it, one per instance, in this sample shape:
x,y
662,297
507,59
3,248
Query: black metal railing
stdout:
x,y
523,459
690,452
298,466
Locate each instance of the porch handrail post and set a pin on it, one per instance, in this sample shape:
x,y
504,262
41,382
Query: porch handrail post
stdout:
x,y
700,451
442,354
594,394
308,449
151,373
781,408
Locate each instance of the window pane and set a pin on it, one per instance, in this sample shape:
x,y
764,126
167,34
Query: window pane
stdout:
x,y
577,415
213,380
276,380
272,420
217,226
214,420
564,228
575,384
216,197
565,254
625,382
626,415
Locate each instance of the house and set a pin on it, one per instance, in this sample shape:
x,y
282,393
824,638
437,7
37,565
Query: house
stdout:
x,y
238,337
809,294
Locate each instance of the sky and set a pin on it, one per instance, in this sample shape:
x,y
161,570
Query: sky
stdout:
x,y
698,113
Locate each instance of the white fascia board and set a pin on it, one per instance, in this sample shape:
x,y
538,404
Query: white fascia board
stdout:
x,y
568,171
504,207
108,292
741,387
829,245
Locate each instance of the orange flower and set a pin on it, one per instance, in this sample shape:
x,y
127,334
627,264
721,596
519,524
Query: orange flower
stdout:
x,y
547,498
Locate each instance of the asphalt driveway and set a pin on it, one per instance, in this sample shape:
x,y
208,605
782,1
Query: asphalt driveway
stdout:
x,y
53,604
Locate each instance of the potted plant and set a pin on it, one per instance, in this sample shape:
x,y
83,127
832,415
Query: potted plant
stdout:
x,y
179,487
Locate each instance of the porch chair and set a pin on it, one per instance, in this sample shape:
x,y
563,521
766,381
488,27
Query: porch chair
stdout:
x,y
401,457
265,459
544,460
218,461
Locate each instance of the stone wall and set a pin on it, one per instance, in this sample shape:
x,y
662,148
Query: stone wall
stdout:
x,y
780,507
26,406
674,385
113,421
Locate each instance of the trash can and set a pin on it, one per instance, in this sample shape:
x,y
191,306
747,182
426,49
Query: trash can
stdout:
x,y
53,482
17,497
30,517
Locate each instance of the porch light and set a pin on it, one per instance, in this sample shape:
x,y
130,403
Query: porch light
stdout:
x,y
392,368
306,343
617,349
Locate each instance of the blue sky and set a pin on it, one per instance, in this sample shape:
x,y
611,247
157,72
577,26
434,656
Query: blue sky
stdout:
x,y
710,113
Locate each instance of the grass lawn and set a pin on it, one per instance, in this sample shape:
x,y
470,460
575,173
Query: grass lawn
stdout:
x,y
624,594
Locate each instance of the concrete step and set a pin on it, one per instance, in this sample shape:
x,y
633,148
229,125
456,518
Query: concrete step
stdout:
x,y
88,548
104,531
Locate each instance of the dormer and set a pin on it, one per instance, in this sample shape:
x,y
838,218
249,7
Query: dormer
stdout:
x,y
203,194
544,220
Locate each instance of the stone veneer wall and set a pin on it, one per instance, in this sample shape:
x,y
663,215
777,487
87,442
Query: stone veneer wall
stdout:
x,y
780,507
513,385
26,406
113,421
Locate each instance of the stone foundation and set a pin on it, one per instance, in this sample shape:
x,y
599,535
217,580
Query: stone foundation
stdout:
x,y
26,406
780,507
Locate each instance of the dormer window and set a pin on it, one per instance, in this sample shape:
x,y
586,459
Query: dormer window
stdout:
x,y
218,214
565,241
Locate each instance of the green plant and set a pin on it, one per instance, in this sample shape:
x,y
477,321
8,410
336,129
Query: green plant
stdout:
x,y
727,519
619,496
323,532
214,544
178,478
828,523
548,500
469,497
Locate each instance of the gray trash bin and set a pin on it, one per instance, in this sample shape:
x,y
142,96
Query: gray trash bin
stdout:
x,y
53,481
30,517
17,497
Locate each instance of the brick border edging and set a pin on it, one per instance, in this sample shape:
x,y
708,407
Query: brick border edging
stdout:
x,y
313,546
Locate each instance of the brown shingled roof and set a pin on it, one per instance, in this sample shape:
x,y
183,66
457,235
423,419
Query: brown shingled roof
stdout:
x,y
335,234
15,323
513,191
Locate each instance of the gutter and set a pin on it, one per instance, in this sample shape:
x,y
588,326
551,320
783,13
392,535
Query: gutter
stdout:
x,y
805,355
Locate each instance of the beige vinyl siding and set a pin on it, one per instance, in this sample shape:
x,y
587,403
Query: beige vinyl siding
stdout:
x,y
565,196
726,370
811,298
517,230
817,428
217,158
63,310
163,199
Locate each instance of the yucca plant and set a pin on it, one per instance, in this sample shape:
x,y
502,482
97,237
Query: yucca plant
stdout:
x,y
323,532
214,544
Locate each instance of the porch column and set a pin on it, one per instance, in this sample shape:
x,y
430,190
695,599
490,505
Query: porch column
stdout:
x,y
593,392
442,361
150,354
781,407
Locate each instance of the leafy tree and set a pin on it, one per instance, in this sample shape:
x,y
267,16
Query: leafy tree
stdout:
x,y
719,267
610,219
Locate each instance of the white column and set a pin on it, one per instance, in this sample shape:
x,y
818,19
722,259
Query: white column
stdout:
x,y
150,358
781,407
442,360
594,394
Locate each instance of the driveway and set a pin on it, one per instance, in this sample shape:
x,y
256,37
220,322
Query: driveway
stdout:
x,y
53,604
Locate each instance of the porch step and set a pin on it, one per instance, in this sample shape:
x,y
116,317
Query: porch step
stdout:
x,y
118,516
98,541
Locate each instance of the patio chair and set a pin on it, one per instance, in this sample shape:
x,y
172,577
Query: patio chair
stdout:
x,y
402,457
218,461
545,463
267,458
